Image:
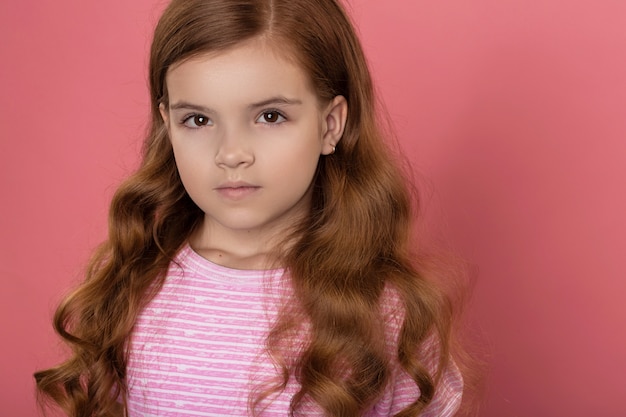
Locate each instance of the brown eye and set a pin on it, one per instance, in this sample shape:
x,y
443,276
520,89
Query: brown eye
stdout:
x,y
195,121
271,117
200,120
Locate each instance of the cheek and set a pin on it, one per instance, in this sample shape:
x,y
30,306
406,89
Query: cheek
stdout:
x,y
295,156
192,167
297,170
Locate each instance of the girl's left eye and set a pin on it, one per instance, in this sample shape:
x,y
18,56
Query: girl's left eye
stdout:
x,y
271,117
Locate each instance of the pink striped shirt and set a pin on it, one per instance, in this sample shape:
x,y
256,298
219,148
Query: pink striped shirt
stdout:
x,y
198,348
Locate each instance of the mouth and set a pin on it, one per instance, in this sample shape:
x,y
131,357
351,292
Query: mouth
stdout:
x,y
236,190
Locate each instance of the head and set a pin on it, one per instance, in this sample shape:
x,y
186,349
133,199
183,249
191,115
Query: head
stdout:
x,y
315,35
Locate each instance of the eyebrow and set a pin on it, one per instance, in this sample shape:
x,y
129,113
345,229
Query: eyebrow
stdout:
x,y
278,100
275,100
189,106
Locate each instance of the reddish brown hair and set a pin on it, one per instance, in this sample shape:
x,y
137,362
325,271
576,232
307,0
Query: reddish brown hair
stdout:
x,y
354,244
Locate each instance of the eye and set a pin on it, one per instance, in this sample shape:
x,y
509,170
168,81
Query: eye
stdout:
x,y
271,117
195,121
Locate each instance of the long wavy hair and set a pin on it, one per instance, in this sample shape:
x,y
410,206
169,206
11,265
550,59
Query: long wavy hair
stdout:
x,y
353,245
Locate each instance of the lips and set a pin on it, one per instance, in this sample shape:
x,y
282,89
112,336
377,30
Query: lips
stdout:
x,y
236,190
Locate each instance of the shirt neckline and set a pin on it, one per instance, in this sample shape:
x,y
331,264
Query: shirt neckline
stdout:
x,y
191,256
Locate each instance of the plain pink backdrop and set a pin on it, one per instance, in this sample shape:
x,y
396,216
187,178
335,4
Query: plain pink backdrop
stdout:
x,y
513,110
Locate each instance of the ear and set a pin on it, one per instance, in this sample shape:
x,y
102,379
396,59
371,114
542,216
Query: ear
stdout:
x,y
165,115
335,117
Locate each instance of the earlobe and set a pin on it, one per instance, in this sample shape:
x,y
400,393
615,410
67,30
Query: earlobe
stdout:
x,y
335,123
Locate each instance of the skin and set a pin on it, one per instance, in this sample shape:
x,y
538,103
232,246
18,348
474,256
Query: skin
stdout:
x,y
247,131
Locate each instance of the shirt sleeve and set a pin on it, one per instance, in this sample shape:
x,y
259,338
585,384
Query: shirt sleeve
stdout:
x,y
402,390
448,394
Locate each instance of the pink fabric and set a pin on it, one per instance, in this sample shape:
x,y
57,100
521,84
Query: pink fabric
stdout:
x,y
197,348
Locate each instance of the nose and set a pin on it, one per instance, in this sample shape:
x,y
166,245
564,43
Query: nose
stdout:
x,y
234,150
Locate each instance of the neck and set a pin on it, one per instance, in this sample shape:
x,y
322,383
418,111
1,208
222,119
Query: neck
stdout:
x,y
240,249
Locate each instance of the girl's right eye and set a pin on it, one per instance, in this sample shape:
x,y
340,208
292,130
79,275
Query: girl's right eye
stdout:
x,y
196,121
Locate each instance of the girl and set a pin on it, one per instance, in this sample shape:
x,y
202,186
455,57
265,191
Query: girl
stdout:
x,y
257,262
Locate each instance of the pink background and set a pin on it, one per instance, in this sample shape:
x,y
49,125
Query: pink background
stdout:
x,y
512,110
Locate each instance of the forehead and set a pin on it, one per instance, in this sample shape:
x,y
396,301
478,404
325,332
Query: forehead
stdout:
x,y
256,67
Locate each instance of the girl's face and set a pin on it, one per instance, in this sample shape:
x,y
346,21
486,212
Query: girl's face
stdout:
x,y
247,132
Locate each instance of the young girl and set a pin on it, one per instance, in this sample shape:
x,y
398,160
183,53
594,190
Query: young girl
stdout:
x,y
258,261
